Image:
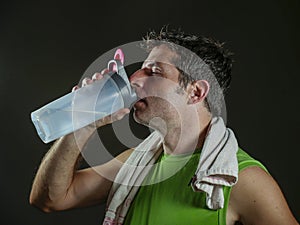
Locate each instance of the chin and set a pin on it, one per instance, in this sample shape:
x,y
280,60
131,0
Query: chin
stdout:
x,y
141,118
138,118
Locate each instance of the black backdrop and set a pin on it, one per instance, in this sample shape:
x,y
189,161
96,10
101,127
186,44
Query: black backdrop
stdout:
x,y
46,46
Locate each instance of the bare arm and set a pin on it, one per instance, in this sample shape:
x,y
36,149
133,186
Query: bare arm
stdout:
x,y
55,174
258,200
58,184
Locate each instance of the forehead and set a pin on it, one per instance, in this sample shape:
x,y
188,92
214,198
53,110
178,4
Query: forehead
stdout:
x,y
161,54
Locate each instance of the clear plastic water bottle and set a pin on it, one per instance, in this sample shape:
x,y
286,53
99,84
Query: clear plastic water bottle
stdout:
x,y
85,105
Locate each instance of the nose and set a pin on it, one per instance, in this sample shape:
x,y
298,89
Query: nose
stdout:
x,y
136,80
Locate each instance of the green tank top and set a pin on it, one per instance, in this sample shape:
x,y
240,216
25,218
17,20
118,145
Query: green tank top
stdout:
x,y
172,201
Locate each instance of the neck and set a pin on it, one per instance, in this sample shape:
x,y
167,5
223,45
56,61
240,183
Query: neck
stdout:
x,y
188,137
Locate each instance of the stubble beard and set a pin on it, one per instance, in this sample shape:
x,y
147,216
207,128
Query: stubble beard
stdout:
x,y
158,115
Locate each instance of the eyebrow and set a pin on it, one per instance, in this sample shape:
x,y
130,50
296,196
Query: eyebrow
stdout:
x,y
151,63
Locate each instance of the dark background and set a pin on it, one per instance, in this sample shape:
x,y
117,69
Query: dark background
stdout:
x,y
45,47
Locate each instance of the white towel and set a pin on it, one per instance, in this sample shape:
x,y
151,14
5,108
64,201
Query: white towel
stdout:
x,y
217,166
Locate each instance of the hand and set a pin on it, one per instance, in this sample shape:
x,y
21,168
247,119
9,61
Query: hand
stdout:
x,y
110,118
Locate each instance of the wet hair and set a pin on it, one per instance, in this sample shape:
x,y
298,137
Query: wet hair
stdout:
x,y
215,61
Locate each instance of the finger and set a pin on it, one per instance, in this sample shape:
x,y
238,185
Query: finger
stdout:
x,y
97,76
120,114
111,118
86,81
75,88
105,71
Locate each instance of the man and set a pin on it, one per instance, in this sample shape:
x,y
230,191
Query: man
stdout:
x,y
180,105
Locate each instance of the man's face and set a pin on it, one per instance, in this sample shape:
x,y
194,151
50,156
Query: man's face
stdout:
x,y
156,84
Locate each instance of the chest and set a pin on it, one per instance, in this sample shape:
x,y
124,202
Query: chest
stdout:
x,y
171,201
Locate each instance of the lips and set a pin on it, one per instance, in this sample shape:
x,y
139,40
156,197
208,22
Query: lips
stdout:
x,y
142,103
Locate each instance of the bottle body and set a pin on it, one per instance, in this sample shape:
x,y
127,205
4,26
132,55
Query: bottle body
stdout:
x,y
82,107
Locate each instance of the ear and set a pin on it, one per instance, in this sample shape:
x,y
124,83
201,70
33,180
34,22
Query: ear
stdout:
x,y
198,91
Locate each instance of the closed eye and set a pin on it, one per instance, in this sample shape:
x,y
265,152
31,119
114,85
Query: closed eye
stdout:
x,y
155,70
155,73
152,68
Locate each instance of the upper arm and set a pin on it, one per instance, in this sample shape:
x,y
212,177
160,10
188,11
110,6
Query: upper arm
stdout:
x,y
91,185
257,199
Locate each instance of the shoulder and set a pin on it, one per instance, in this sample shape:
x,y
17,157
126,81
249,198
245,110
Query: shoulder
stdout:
x,y
257,199
245,160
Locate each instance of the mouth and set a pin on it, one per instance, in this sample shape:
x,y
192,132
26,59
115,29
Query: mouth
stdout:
x,y
140,104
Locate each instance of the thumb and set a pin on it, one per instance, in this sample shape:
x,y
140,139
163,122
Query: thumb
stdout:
x,y
120,114
112,118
